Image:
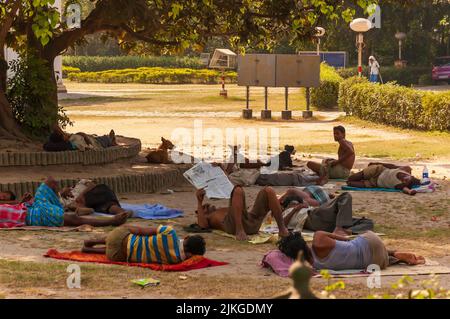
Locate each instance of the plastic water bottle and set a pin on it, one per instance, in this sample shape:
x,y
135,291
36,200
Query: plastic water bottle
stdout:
x,y
425,176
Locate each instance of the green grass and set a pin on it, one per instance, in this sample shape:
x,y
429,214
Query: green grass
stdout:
x,y
425,145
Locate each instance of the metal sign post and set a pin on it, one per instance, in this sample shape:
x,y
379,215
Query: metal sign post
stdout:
x,y
266,114
247,113
286,114
308,113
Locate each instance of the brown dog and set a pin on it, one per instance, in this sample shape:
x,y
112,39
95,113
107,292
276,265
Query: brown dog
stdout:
x,y
161,154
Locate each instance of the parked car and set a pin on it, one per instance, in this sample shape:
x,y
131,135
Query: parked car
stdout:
x,y
441,69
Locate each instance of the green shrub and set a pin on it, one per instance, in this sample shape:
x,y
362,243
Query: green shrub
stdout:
x,y
103,63
345,99
436,111
395,105
68,69
154,76
406,76
326,95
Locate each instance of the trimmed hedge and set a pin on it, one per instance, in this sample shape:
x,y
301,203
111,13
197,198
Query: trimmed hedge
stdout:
x,y
406,76
66,70
395,105
154,76
326,95
104,63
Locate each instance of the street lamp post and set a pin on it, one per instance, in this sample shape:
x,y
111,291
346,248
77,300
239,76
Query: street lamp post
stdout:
x,y
360,26
400,36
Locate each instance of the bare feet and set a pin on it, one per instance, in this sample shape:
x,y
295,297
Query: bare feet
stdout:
x,y
119,219
322,180
241,236
410,258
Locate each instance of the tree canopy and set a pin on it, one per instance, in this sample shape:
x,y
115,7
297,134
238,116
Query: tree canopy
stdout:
x,y
32,27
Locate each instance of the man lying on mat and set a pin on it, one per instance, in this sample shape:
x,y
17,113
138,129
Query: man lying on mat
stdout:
x,y
301,211
136,244
46,210
336,252
385,176
87,197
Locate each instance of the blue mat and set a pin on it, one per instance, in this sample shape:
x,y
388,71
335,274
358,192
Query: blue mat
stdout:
x,y
374,189
147,211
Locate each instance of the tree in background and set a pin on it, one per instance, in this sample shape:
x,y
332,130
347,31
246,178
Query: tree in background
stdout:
x,y
426,23
167,26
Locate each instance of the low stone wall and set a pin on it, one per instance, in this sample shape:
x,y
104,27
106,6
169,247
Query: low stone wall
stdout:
x,y
133,183
90,157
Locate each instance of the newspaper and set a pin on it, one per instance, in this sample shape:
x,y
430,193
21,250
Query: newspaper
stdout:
x,y
212,179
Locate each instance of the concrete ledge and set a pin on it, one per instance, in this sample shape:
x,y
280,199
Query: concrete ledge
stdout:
x,y
130,148
150,182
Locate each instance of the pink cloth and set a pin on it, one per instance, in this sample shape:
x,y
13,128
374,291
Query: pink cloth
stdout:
x,y
278,262
12,215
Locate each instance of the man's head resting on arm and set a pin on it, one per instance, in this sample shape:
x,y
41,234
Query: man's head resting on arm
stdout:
x,y
410,181
7,196
293,244
194,245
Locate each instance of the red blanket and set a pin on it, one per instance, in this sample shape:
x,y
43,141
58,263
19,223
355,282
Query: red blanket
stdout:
x,y
12,215
195,262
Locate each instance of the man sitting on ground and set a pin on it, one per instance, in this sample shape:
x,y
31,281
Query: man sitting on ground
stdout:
x,y
146,245
235,219
385,176
336,252
46,210
340,168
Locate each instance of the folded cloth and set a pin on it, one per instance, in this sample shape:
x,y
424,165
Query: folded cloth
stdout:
x,y
195,262
12,215
156,211
278,262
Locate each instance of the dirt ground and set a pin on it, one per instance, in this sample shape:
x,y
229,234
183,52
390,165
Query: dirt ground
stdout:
x,y
420,224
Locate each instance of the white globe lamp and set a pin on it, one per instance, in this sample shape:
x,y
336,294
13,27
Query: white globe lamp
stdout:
x,y
360,26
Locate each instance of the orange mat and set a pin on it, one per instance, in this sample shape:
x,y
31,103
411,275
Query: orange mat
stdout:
x,y
195,262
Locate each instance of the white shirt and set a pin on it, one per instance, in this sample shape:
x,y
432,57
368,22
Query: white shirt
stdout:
x,y
374,68
298,220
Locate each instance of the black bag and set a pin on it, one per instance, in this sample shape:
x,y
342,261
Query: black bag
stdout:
x,y
361,225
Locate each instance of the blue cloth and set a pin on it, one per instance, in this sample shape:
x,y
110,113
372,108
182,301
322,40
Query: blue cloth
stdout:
x,y
318,193
373,189
46,209
156,211
374,78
